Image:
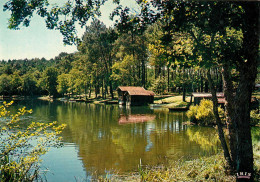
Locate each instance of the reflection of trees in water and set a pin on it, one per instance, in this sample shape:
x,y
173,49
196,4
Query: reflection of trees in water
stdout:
x,y
104,144
206,137
135,110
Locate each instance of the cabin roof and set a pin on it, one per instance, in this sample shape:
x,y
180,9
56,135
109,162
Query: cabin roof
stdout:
x,y
131,90
204,95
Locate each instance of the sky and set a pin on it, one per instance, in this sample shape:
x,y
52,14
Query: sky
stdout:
x,y
36,41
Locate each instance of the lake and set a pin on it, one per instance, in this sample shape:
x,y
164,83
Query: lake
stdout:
x,y
106,139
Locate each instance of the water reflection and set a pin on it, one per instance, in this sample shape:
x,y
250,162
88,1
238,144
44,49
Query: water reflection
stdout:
x,y
207,141
135,118
103,143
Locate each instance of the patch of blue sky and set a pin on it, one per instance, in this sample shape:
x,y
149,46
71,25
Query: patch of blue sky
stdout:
x,y
36,41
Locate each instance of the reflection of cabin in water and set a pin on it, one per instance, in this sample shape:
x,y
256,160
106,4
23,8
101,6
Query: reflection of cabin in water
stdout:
x,y
135,118
134,96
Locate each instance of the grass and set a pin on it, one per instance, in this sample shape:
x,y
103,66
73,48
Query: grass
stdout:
x,y
170,99
203,169
211,168
173,102
177,105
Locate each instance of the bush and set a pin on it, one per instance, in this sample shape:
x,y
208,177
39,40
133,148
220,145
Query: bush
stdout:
x,y
191,113
19,158
203,113
255,117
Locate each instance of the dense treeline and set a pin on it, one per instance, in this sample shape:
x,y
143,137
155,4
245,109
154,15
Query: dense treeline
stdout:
x,y
107,58
29,77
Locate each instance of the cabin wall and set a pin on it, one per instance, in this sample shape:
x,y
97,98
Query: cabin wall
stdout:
x,y
121,97
139,100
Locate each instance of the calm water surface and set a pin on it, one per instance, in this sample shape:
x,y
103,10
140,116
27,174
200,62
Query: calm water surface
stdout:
x,y
103,139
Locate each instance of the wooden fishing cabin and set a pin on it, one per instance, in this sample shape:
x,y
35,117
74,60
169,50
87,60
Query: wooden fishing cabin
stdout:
x,y
134,96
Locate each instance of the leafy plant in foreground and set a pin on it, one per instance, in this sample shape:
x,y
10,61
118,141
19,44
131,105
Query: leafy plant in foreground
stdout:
x,y
21,148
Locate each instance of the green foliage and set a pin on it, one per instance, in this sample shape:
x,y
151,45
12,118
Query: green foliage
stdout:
x,y
77,81
255,117
50,76
159,85
157,51
123,72
20,149
29,85
203,113
63,83
192,113
5,84
96,56
131,48
64,62
16,84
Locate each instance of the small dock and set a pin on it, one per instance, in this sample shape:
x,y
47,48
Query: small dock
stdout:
x,y
157,106
179,109
108,102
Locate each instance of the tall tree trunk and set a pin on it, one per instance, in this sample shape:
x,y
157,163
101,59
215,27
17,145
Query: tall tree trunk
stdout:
x,y
163,71
111,89
96,91
218,121
85,90
248,72
206,86
89,95
183,85
244,159
159,71
183,93
155,72
139,72
168,78
229,110
102,88
108,64
143,73
201,83
238,100
146,75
